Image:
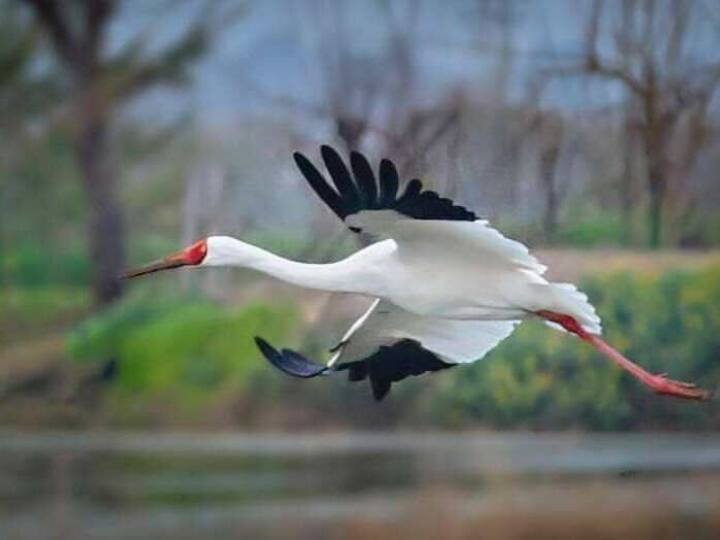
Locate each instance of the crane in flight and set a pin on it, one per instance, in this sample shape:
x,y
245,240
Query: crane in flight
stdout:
x,y
446,286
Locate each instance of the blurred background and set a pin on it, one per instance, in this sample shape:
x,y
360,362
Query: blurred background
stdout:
x,y
587,129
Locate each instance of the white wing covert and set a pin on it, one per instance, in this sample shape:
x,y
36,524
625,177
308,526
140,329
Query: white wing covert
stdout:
x,y
452,341
387,344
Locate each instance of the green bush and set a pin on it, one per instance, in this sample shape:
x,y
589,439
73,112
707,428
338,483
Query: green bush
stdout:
x,y
33,264
186,348
38,304
543,378
591,231
26,313
700,230
583,230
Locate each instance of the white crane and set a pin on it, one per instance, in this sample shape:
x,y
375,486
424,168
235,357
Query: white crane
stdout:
x,y
447,286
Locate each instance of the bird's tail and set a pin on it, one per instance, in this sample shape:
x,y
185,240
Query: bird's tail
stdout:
x,y
566,298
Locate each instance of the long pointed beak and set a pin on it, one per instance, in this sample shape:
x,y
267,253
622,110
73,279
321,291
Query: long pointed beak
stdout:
x,y
173,261
190,256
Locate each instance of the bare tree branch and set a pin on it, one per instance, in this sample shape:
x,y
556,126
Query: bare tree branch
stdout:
x,y
670,94
130,73
65,43
96,17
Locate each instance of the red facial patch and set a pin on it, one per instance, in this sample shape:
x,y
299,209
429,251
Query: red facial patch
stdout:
x,y
195,254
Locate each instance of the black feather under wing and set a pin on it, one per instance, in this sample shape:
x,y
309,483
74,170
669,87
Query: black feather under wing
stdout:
x,y
391,363
356,189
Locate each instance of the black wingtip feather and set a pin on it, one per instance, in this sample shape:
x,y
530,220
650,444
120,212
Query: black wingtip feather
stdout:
x,y
389,182
365,179
360,191
289,362
318,183
413,189
341,178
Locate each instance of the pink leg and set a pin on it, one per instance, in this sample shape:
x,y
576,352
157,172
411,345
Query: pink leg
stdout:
x,y
658,383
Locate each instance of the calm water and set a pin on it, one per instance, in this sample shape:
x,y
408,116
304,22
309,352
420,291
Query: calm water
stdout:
x,y
120,485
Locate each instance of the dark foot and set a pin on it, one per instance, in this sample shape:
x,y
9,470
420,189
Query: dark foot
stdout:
x,y
660,384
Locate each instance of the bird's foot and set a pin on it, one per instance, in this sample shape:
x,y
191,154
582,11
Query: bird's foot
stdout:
x,y
661,385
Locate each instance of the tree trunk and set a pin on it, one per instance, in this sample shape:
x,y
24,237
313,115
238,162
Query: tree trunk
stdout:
x,y
548,166
655,136
626,193
350,130
655,211
105,224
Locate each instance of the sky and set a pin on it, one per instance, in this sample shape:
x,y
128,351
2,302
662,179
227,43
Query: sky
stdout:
x,y
272,50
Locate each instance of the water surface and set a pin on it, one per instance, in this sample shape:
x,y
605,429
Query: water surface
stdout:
x,y
119,485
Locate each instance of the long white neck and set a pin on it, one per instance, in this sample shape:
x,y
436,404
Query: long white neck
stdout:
x,y
348,275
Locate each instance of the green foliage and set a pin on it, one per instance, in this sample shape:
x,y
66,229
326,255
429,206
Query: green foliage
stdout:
x,y
592,228
700,230
39,304
599,230
186,348
26,313
540,378
26,89
41,264
32,264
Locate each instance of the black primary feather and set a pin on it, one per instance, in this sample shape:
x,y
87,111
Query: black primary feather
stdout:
x,y
365,179
290,362
391,363
341,178
356,189
389,182
320,186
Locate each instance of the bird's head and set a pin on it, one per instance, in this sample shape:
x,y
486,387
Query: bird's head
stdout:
x,y
211,251
193,255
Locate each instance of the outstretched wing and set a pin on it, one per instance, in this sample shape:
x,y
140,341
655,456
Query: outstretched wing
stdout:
x,y
418,220
359,190
388,344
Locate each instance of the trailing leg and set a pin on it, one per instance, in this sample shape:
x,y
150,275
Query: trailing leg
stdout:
x,y
659,384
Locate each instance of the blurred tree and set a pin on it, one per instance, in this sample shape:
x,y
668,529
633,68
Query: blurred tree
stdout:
x,y
627,180
548,129
647,47
373,97
99,83
25,94
378,96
